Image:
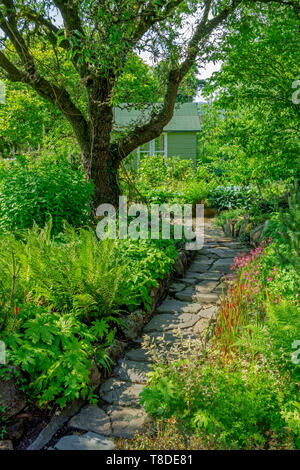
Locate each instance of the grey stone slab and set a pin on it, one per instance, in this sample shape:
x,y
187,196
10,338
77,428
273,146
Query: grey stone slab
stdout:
x,y
204,260
199,267
127,421
201,326
88,441
131,371
92,418
223,265
190,280
224,252
191,295
206,286
117,392
174,306
211,275
168,337
57,421
209,313
138,355
169,321
176,287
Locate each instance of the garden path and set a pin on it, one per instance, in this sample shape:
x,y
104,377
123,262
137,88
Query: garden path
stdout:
x,y
191,306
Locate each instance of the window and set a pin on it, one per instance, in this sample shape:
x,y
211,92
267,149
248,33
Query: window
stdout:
x,y
157,146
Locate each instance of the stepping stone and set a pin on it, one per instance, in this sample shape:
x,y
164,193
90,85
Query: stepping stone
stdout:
x,y
209,313
138,355
190,295
117,392
207,251
204,260
199,267
173,306
169,337
176,287
235,246
92,418
88,441
126,421
206,287
131,371
224,252
224,240
211,275
223,265
190,280
201,326
167,321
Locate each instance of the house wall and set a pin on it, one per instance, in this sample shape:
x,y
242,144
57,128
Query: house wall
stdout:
x,y
183,144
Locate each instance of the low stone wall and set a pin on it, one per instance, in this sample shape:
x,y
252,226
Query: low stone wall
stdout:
x,y
245,230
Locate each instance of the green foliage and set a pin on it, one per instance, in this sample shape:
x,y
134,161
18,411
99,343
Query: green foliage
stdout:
x,y
231,405
233,197
55,351
158,170
24,119
229,214
172,180
35,191
283,322
251,135
290,221
61,300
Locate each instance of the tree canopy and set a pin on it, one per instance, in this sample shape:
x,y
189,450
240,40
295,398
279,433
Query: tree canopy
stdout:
x,y
98,40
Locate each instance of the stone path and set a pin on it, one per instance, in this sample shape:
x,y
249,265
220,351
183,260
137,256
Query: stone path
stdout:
x,y
190,306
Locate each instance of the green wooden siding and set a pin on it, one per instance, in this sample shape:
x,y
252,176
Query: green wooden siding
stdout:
x,y
183,144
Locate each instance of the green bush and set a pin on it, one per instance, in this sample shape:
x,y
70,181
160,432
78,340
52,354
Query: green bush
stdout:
x,y
60,302
229,214
159,170
232,197
56,351
35,191
229,407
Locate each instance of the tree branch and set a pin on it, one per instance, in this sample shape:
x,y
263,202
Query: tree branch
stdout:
x,y
144,133
56,95
150,15
73,26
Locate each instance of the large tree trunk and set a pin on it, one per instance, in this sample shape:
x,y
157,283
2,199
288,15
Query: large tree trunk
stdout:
x,y
104,174
102,161
101,165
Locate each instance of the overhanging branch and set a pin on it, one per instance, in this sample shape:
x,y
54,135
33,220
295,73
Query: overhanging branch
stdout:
x,y
144,133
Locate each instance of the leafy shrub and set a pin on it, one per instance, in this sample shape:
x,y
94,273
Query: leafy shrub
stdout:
x,y
229,214
196,192
232,197
283,323
33,192
61,300
55,351
83,274
226,406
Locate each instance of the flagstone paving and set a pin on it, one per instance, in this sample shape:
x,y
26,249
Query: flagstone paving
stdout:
x,y
191,306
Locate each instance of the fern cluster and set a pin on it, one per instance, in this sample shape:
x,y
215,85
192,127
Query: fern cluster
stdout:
x,y
60,303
